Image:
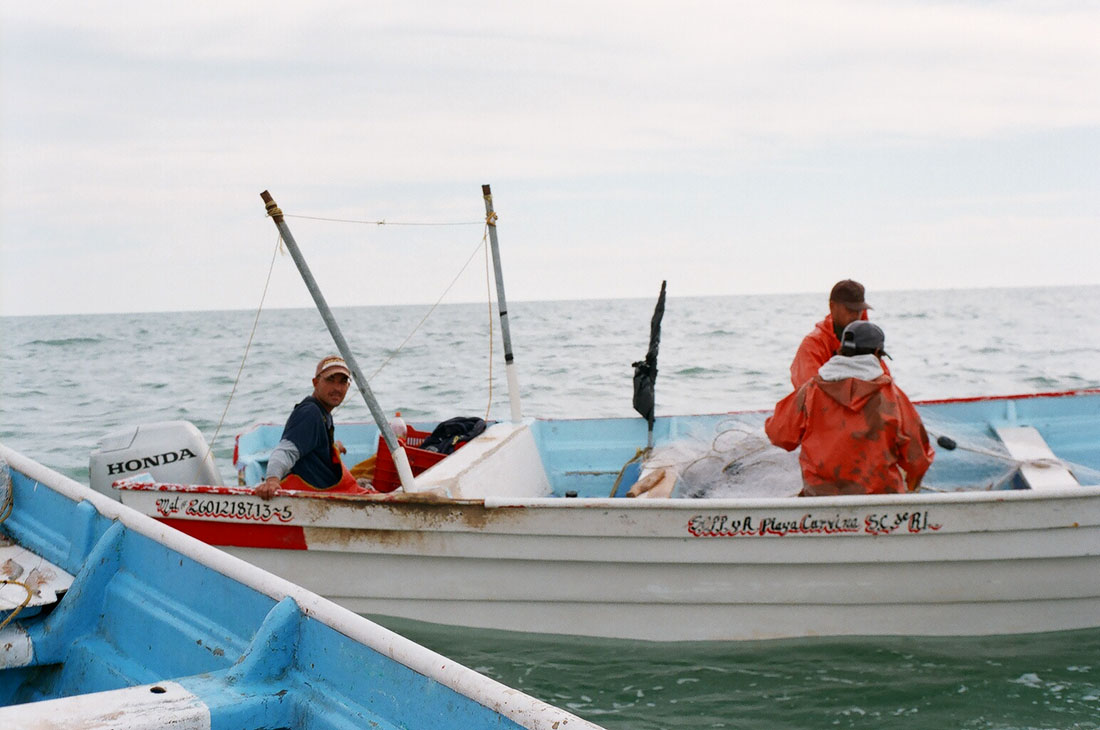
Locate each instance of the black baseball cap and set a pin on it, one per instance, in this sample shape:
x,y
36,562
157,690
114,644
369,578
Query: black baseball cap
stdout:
x,y
862,336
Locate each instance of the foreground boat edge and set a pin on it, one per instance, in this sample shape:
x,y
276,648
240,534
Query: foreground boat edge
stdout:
x,y
522,709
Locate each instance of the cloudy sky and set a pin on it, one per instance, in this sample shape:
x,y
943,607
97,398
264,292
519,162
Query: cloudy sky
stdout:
x,y
729,147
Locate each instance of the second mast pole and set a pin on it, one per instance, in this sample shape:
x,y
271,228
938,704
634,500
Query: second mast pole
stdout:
x,y
509,364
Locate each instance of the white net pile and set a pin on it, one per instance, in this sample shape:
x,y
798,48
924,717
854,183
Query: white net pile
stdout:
x,y
735,459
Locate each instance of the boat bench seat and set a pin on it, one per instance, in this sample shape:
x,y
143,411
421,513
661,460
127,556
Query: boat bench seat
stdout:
x,y
1039,466
28,579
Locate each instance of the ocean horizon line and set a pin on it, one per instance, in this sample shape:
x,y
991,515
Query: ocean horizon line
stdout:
x,y
518,300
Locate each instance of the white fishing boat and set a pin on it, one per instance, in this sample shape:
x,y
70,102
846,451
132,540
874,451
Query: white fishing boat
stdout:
x,y
529,526
516,530
109,619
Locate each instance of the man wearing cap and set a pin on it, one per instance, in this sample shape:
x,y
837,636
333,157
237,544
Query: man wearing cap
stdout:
x,y
308,456
858,431
846,305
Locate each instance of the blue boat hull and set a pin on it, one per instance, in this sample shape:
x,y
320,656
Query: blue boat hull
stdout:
x,y
164,629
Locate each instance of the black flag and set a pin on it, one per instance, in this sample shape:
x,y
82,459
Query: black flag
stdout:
x,y
645,371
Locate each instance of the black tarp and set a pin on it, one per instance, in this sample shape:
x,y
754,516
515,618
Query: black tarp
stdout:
x,y
645,371
452,433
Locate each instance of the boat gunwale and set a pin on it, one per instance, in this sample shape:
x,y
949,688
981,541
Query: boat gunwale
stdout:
x,y
962,496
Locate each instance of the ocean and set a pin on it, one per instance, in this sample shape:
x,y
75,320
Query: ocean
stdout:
x,y
66,381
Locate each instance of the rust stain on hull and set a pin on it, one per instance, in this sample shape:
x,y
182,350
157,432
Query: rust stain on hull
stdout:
x,y
346,538
414,515
412,523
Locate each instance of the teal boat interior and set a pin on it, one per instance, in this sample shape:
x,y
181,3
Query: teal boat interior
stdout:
x,y
597,457
135,614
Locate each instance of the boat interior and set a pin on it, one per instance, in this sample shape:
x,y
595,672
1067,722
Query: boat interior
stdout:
x,y
145,628
1024,442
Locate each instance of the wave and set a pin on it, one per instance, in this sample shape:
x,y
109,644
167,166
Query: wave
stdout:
x,y
66,342
696,370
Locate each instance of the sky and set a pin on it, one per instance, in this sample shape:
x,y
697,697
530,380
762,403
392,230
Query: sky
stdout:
x,y
727,147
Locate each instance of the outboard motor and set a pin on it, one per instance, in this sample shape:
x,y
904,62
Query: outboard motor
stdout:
x,y
174,452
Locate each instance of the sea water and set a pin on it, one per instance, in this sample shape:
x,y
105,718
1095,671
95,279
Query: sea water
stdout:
x,y
66,381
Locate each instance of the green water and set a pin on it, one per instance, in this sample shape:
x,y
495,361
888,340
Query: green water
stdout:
x,y
67,381
1033,681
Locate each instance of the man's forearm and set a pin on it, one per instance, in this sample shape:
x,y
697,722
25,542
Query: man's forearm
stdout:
x,y
282,460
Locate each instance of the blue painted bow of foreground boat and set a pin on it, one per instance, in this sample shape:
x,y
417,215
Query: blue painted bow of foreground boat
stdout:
x,y
141,614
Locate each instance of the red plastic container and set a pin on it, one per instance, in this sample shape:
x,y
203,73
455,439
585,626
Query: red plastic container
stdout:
x,y
385,473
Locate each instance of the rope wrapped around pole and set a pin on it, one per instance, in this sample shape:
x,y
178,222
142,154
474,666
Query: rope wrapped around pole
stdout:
x,y
505,333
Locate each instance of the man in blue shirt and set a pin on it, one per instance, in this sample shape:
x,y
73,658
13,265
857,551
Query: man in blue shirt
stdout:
x,y
308,449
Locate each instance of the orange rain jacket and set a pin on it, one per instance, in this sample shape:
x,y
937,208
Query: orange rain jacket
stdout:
x,y
858,435
816,349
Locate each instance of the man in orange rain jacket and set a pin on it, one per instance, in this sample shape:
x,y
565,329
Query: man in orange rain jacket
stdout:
x,y
846,305
859,433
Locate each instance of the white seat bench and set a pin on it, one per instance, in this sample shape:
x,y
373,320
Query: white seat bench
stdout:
x,y
1039,467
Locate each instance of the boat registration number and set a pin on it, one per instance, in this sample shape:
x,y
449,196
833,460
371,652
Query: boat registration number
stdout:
x,y
238,509
809,523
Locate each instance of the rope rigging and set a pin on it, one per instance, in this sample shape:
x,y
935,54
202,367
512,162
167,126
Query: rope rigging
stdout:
x,y
275,212
382,222
247,347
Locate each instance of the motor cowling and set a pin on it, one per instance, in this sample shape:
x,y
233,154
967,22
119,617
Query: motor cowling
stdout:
x,y
174,452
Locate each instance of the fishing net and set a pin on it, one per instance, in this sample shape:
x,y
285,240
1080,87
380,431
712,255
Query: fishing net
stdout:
x,y
970,456
734,458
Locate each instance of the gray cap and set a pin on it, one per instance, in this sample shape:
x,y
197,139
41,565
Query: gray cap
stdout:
x,y
861,337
